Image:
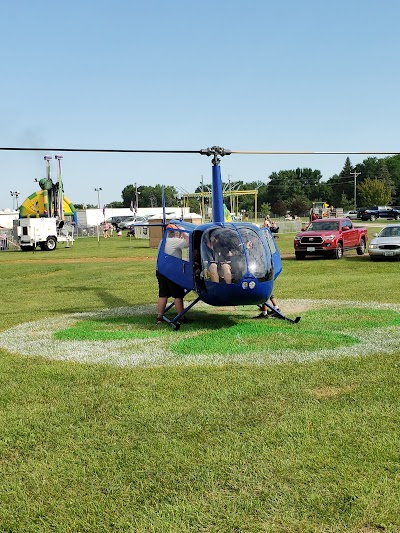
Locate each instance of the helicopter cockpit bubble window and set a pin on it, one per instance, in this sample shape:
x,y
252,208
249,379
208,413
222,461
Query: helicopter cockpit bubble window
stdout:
x,y
227,254
259,258
177,242
267,235
222,255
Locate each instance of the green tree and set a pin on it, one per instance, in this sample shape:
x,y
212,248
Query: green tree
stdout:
x,y
345,203
342,185
347,168
278,187
286,185
372,191
385,176
300,205
393,166
280,208
265,209
85,206
149,196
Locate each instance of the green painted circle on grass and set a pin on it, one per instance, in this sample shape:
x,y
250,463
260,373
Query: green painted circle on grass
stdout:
x,y
129,336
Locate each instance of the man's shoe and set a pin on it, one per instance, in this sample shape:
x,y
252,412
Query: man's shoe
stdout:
x,y
159,320
261,315
273,313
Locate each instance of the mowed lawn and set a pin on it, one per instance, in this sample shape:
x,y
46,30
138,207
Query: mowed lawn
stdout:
x,y
277,447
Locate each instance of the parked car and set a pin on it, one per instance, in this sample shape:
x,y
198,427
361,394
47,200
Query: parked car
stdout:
x,y
125,221
353,215
138,221
380,211
386,244
330,237
112,220
360,211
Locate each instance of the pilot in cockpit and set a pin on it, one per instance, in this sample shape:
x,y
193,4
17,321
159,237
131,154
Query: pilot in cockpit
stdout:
x,y
216,258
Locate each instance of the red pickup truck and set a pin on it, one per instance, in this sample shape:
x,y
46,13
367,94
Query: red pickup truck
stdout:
x,y
330,236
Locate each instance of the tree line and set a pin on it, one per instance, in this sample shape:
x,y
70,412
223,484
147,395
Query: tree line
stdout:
x,y
375,181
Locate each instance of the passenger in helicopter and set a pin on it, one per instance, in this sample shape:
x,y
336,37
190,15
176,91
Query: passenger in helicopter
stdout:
x,y
217,257
259,262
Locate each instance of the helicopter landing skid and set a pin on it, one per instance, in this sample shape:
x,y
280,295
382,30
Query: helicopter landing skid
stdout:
x,y
175,323
278,314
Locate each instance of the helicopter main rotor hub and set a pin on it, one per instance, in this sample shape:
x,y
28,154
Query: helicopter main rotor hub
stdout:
x,y
215,151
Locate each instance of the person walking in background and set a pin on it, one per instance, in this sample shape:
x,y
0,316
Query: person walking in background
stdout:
x,y
106,228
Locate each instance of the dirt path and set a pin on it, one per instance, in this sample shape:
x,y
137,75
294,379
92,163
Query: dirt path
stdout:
x,y
85,260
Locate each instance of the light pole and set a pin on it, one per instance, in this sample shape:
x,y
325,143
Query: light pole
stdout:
x,y
98,189
136,198
15,194
355,174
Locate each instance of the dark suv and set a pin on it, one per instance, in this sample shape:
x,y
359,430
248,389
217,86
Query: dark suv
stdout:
x,y
380,211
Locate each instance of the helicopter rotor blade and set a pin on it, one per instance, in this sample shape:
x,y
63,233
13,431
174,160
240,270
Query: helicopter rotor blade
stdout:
x,y
99,150
207,151
305,152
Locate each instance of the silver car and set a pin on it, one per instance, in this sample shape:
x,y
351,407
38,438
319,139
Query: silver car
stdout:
x,y
386,244
352,215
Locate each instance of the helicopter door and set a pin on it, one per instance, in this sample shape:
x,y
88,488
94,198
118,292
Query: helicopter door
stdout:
x,y
174,258
276,258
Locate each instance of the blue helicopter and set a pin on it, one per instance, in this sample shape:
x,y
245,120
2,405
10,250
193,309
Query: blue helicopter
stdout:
x,y
225,263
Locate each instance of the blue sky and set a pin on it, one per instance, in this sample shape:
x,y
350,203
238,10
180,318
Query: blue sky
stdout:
x,y
183,75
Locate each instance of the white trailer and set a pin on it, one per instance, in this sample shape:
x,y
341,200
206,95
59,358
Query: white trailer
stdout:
x,y
43,232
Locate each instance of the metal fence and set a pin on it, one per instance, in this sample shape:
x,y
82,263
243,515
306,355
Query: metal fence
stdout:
x,y
7,242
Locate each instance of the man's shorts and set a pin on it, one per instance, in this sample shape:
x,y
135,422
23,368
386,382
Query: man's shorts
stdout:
x,y
167,288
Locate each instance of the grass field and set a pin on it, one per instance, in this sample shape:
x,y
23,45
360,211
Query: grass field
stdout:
x,y
226,425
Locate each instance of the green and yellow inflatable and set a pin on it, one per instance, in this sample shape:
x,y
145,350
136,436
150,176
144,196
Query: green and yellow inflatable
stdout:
x,y
38,205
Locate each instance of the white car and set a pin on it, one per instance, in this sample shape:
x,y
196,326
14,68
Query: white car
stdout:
x,y
351,214
386,244
139,221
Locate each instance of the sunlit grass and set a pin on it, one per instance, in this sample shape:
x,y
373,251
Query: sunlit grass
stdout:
x,y
261,338
292,447
113,328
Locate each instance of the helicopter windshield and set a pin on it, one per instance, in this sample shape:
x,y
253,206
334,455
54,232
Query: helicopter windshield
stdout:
x,y
227,254
258,253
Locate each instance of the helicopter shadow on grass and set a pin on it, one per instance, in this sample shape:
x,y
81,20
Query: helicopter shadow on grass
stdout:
x,y
106,297
208,320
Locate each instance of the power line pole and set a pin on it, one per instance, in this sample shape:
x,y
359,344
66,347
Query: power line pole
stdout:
x,y
136,197
355,174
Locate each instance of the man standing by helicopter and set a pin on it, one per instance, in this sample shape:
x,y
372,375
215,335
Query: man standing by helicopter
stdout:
x,y
174,244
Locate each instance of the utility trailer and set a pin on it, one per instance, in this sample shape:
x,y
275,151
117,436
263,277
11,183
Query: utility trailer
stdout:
x,y
45,232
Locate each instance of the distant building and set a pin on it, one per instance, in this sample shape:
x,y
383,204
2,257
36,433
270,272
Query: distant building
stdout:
x,y
93,217
6,218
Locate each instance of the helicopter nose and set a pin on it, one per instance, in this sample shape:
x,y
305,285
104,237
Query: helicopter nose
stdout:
x,y
248,283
